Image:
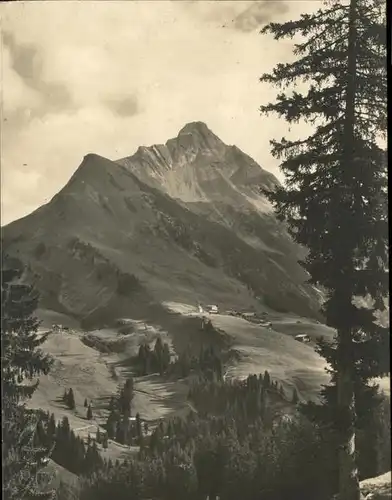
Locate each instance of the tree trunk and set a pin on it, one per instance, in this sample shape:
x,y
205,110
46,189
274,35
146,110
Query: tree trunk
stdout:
x,y
348,472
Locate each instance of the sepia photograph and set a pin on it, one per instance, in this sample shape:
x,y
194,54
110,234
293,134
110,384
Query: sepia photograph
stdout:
x,y
194,250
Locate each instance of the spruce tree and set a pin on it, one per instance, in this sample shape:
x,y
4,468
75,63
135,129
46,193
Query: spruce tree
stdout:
x,y
142,358
125,396
92,459
158,355
112,404
165,357
22,361
128,395
105,443
22,458
335,194
145,358
71,399
295,397
22,358
139,429
266,380
111,424
89,413
119,434
52,428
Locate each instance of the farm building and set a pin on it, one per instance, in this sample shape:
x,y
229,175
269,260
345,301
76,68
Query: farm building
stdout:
x,y
302,338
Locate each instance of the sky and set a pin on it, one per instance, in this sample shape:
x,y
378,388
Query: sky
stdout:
x,y
105,77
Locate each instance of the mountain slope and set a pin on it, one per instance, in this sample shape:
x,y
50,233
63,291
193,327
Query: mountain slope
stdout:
x,y
112,242
225,185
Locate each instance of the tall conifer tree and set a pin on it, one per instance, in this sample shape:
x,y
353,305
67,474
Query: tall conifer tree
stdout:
x,y
21,361
335,195
21,357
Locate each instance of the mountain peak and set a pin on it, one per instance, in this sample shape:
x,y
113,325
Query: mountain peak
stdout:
x,y
201,131
93,160
195,127
93,170
91,156
195,137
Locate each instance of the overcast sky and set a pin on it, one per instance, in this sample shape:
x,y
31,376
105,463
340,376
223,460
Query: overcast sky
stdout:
x,y
106,77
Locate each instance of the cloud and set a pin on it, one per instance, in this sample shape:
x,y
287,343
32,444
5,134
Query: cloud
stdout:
x,y
242,15
107,77
215,12
124,106
57,87
260,13
26,61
